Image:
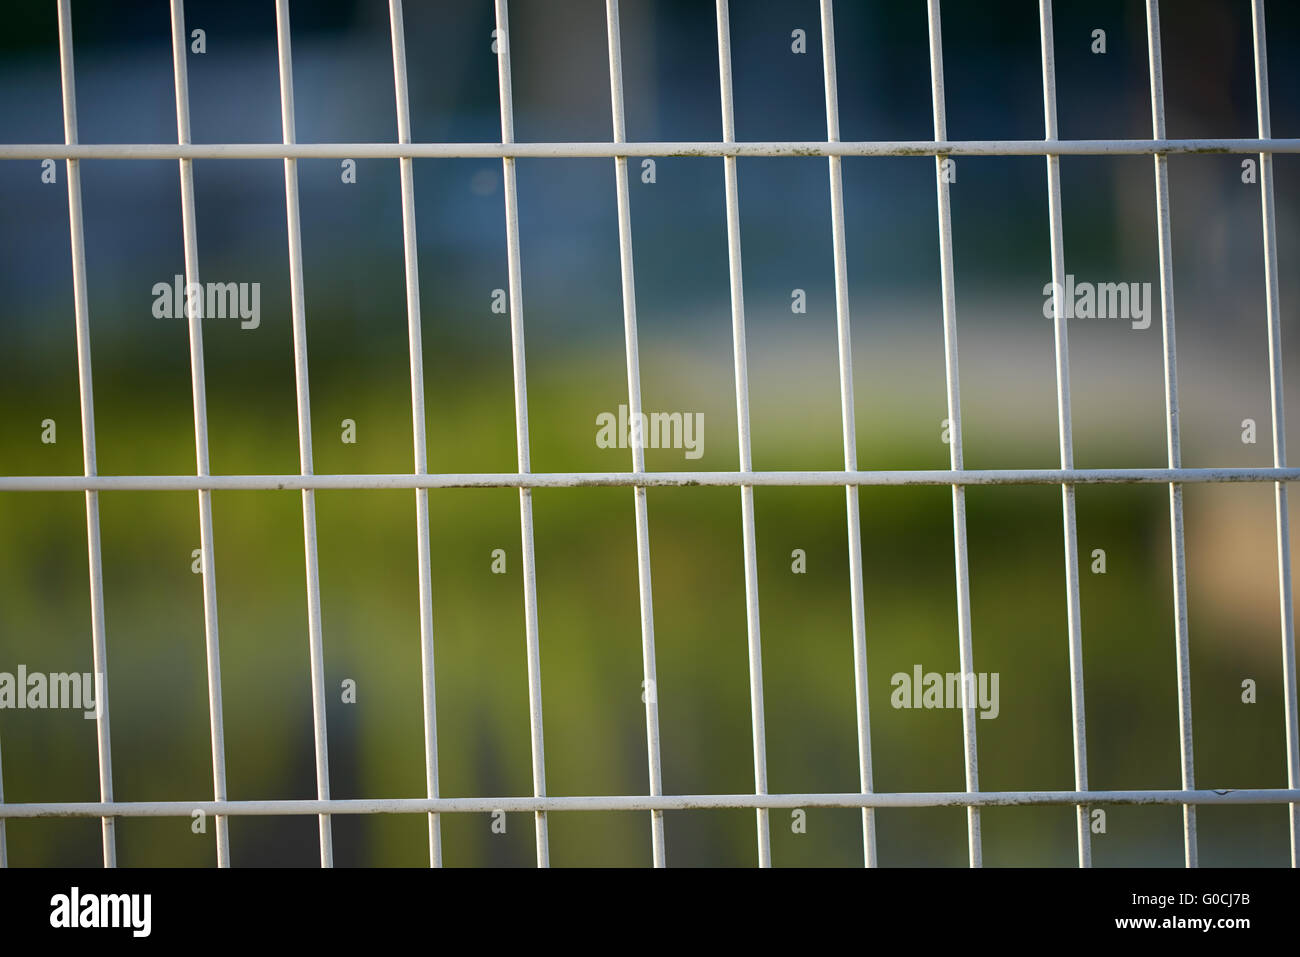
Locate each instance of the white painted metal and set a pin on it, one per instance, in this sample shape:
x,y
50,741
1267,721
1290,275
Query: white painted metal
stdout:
x,y
741,364
960,552
1074,627
1269,217
302,393
787,479
847,420
651,686
727,147
521,429
207,558
1181,638
86,393
410,250
643,802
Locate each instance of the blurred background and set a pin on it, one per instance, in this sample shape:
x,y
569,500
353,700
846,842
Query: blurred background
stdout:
x,y
585,546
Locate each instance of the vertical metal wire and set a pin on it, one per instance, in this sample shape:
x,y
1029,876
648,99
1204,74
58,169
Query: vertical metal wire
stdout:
x,y
651,686
410,250
1174,447
954,431
194,318
850,433
303,396
1072,610
1274,306
521,429
742,417
86,394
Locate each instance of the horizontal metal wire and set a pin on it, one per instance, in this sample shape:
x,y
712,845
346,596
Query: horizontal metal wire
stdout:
x,y
1123,147
642,802
786,479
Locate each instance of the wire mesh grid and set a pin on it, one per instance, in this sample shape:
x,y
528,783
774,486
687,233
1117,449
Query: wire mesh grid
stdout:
x,y
745,477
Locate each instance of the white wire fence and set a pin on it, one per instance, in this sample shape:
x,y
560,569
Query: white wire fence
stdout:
x,y
745,478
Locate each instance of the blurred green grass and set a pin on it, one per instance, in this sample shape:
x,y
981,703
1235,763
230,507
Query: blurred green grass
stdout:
x,y
590,632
